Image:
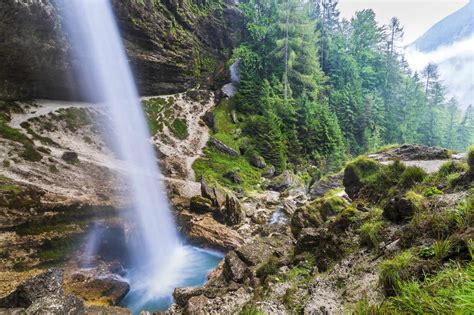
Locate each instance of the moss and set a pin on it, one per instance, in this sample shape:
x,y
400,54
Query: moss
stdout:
x,y
10,188
415,199
56,251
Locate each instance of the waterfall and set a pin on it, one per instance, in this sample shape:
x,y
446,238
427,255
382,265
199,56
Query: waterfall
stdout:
x,y
161,261
232,88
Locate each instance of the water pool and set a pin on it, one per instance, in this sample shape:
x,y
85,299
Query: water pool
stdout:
x,y
148,293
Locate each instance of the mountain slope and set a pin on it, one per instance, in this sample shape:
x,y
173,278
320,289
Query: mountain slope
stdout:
x,y
453,28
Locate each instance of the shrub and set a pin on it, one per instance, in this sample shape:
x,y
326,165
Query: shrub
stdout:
x,y
393,271
6,163
30,154
470,159
441,249
411,176
451,167
370,234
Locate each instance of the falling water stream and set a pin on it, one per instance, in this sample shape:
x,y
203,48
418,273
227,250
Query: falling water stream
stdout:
x,y
160,260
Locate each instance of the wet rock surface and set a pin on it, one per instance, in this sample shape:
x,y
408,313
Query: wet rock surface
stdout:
x,y
161,69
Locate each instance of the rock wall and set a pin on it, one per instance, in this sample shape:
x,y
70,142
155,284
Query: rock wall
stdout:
x,y
172,44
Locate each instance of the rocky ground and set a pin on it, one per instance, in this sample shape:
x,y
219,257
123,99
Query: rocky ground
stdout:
x,y
291,247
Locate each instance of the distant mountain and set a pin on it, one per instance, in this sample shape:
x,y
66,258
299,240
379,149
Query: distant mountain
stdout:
x,y
452,28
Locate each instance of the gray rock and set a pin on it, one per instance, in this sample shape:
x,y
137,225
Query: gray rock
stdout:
x,y
232,213
234,177
221,146
70,157
284,181
324,185
257,161
269,172
217,197
57,304
234,268
45,284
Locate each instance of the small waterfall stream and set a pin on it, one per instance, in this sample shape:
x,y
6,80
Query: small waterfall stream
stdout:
x,y
160,260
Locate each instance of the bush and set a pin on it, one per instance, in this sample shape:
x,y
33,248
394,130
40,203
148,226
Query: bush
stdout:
x,y
411,176
470,159
30,154
180,129
451,167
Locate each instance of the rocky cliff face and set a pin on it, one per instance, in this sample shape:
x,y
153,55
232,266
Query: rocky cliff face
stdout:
x,y
172,44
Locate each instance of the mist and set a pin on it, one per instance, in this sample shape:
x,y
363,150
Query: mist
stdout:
x,y
456,65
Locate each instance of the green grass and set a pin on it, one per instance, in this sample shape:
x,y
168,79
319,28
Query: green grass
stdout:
x,y
56,251
179,128
74,118
30,153
215,164
159,113
441,248
370,234
449,291
10,133
393,271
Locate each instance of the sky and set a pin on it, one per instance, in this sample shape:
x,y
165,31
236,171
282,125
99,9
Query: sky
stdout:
x,y
417,16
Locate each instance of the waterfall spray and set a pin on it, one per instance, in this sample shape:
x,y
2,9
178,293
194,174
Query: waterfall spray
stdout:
x,y
161,261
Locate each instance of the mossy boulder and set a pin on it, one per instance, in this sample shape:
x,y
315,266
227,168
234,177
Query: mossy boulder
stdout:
x,y
232,213
323,245
355,173
199,204
470,161
284,181
402,208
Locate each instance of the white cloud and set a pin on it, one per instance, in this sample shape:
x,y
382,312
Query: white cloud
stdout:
x,y
456,67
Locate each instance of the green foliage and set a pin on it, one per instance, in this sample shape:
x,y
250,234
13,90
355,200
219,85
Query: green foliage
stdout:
x,y
427,252
470,159
13,134
451,167
158,112
268,269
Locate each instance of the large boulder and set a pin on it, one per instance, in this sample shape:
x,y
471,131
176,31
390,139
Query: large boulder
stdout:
x,y
216,195
221,146
234,268
46,284
232,213
257,161
284,181
206,231
322,244
412,152
322,186
402,208
57,304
